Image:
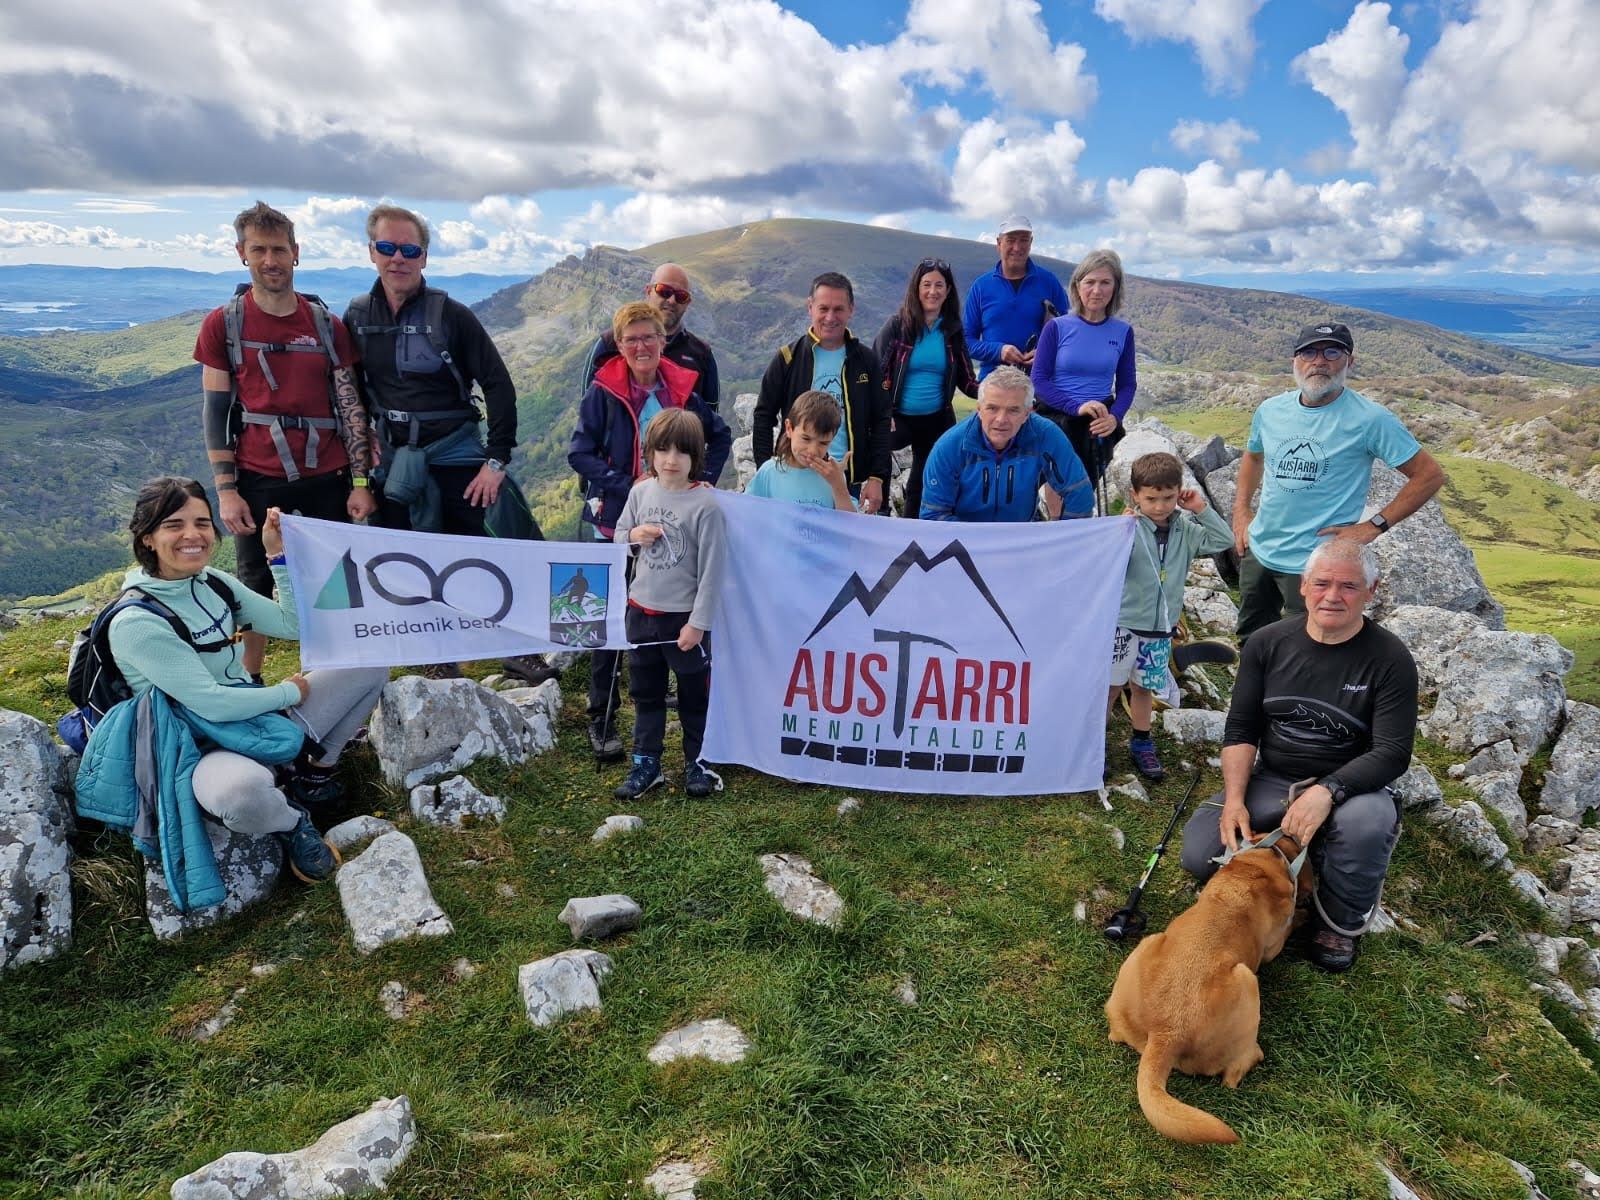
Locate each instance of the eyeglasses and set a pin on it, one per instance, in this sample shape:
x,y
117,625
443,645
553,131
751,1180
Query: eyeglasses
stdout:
x,y
1328,353
934,264
667,292
641,340
407,249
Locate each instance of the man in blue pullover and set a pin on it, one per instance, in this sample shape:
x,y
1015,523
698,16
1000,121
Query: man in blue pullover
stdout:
x,y
990,466
1007,308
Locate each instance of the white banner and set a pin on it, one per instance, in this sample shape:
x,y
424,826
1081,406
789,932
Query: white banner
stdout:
x,y
371,597
915,656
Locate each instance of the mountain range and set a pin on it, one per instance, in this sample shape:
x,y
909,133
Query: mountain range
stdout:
x,y
92,414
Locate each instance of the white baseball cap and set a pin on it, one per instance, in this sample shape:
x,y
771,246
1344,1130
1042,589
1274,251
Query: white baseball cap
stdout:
x,y
1015,225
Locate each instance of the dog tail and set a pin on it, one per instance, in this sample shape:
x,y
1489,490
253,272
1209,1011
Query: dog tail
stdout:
x,y
1179,1121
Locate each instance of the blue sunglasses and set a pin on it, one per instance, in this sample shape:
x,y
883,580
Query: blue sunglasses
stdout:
x,y
407,249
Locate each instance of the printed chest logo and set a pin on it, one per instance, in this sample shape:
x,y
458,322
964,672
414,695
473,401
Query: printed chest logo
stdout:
x,y
1299,464
666,551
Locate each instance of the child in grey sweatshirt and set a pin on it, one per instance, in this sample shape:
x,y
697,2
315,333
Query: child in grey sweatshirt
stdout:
x,y
676,525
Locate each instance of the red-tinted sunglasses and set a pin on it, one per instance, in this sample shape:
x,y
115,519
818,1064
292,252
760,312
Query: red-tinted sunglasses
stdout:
x,y
667,292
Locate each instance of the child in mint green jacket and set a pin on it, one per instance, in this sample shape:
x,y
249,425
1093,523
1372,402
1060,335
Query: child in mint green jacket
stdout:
x,y
1165,542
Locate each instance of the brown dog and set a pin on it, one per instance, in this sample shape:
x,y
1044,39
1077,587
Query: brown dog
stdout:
x,y
1188,997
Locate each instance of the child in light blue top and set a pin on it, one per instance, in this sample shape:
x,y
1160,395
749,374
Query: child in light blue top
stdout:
x,y
801,469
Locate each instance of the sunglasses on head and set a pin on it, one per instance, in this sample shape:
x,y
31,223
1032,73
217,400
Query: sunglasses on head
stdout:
x,y
934,264
667,292
407,249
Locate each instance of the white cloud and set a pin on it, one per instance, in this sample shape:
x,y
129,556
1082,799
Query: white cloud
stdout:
x,y
1221,31
648,217
119,206
1005,45
1362,70
1222,140
21,234
1002,169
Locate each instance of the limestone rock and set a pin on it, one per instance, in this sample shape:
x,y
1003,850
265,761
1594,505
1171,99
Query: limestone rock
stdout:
x,y
1432,635
1547,832
1581,868
742,415
600,916
1397,1188
455,802
1587,1182
396,1000
718,1040
612,826
744,461
36,819
251,865
1424,561
1558,907
1501,685
676,1180
1528,1178
541,707
1465,826
347,835
1210,455
906,992
1418,789
1498,791
848,807
1131,789
1148,436
221,1019
1572,784
791,880
1211,609
353,1158
1222,484
386,897
1491,760
462,970
427,728
561,984
1194,726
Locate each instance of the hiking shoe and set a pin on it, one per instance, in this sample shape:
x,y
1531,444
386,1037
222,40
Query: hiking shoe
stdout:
x,y
447,670
314,788
310,857
645,775
530,668
605,743
1332,952
700,782
1145,759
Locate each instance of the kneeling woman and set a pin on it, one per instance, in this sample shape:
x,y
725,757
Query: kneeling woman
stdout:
x,y
174,537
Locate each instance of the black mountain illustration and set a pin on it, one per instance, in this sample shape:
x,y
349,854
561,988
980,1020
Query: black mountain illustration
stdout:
x,y
855,590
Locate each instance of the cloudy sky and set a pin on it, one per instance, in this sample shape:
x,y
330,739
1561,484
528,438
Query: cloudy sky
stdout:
x,y
1427,141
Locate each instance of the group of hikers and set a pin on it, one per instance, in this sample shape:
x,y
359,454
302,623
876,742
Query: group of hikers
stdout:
x,y
374,418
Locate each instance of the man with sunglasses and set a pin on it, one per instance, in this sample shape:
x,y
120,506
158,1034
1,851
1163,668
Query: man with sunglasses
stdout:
x,y
668,293
1311,452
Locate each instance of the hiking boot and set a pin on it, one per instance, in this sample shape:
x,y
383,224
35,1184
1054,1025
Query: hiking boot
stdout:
x,y
698,781
605,743
530,668
447,670
310,857
1330,951
645,775
1145,759
313,789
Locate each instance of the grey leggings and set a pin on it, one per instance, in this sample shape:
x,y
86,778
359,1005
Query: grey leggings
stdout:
x,y
1350,853
244,794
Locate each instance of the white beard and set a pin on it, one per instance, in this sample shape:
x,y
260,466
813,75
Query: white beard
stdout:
x,y
1317,390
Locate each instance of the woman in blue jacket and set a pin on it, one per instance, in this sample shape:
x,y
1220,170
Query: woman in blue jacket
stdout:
x,y
174,536
1083,374
925,362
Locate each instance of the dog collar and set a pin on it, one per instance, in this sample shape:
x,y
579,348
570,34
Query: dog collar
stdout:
x,y
1269,842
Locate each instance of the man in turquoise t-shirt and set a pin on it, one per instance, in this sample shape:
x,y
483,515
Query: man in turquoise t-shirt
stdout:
x,y
1311,453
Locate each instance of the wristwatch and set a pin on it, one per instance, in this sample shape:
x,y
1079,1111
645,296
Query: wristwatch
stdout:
x,y
495,465
1336,790
1377,521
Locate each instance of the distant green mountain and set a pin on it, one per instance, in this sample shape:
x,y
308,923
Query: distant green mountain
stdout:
x,y
93,414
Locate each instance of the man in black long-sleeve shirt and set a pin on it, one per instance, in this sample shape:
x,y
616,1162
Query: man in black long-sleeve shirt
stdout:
x,y
1329,699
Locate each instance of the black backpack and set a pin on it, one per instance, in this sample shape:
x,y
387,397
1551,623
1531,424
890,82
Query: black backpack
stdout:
x,y
95,684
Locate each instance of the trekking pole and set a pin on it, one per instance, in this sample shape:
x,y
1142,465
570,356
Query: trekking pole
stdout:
x,y
1129,921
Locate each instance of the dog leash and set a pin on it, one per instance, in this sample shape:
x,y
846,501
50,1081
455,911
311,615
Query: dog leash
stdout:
x,y
1269,842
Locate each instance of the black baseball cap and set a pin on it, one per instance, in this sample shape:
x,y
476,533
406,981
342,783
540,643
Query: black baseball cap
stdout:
x,y
1325,333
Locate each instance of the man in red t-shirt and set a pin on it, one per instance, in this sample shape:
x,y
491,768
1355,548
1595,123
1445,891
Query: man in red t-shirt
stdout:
x,y
298,439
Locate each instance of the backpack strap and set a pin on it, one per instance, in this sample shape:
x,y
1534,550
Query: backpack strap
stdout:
x,y
233,331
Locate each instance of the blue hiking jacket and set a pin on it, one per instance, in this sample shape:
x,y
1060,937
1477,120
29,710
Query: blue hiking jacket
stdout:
x,y
998,314
969,480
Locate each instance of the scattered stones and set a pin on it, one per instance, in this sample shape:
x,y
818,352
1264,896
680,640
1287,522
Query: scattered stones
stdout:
x,y
221,1019
1117,837
36,819
1498,791
1194,726
1501,685
1457,1001
718,1040
386,897
250,865
676,1179
791,880
563,983
848,807
354,1157
906,991
424,729
347,835
462,970
455,802
396,1000
1572,784
600,916
612,826
1418,789
1465,826
1130,788
1080,911
1547,832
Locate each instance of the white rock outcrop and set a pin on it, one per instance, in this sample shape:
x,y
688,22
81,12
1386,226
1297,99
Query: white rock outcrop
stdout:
x,y
424,729
717,1040
562,983
791,880
36,819
386,896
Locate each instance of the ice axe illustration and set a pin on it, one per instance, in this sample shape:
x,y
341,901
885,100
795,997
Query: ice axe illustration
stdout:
x,y
1129,921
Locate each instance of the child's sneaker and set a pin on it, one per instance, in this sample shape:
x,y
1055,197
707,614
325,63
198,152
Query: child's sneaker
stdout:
x,y
646,774
310,857
1145,759
700,782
